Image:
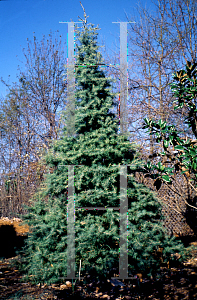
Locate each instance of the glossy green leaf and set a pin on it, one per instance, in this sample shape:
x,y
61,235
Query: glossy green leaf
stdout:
x,y
162,153
166,143
147,121
166,178
179,147
158,134
148,165
193,153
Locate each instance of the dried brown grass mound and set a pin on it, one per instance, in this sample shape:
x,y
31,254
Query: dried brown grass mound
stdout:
x,y
16,222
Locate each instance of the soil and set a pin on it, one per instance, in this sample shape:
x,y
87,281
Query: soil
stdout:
x,y
178,282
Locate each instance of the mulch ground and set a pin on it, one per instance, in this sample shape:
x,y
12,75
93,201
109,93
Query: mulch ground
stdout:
x,y
178,282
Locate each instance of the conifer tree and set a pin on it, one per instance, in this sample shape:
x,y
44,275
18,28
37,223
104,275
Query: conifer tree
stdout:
x,y
96,150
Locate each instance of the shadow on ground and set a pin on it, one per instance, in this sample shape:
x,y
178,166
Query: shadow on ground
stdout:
x,y
10,241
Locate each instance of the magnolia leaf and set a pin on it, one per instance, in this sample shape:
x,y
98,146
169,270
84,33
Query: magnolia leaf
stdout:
x,y
157,134
148,165
159,165
193,153
166,178
179,147
166,143
162,153
147,121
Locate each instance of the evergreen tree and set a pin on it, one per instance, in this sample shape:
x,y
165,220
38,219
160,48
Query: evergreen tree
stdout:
x,y
97,151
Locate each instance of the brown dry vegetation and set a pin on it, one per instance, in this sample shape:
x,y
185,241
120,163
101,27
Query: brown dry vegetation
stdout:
x,y
178,282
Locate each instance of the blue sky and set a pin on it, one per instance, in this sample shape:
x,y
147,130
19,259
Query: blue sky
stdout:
x,y
20,20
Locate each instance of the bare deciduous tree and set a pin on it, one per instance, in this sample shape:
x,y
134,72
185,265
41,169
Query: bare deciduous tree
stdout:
x,y
159,43
30,120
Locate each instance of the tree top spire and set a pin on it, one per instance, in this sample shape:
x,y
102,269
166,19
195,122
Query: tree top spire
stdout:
x,y
85,16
